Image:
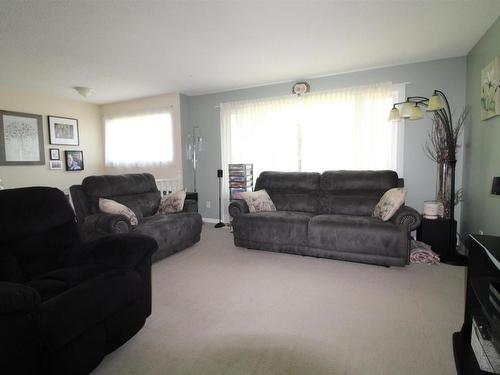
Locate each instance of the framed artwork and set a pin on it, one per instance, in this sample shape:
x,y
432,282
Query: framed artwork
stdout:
x,y
74,160
490,89
55,164
21,139
54,154
63,131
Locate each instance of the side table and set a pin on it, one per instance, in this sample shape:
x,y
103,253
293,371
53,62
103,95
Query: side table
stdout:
x,y
436,233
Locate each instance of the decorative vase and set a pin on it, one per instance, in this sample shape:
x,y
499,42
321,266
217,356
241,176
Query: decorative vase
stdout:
x,y
444,187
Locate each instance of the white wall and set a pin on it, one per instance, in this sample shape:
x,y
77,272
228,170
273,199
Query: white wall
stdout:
x,y
89,125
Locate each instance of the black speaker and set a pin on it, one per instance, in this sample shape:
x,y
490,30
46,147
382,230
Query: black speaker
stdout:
x,y
219,173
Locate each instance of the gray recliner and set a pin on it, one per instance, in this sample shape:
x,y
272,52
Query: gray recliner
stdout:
x,y
327,215
172,232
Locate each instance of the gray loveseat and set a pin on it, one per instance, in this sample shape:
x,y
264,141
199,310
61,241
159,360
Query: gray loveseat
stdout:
x,y
172,232
327,215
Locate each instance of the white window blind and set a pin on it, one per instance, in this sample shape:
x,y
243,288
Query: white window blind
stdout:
x,y
329,130
139,140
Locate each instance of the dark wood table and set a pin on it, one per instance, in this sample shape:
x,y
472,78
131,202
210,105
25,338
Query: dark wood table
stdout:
x,y
484,268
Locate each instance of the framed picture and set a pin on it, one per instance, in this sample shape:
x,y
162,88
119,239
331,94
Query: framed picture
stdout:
x,y
63,131
21,139
74,160
490,89
54,154
55,164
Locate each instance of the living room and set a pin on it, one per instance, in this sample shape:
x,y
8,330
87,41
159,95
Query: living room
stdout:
x,y
353,141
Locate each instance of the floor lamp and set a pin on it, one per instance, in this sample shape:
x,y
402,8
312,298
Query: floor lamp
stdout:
x,y
411,109
194,146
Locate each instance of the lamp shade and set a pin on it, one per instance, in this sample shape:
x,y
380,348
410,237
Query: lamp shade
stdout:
x,y
394,115
435,103
406,110
416,113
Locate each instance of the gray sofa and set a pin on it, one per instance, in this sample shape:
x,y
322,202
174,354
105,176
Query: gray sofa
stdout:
x,y
172,232
327,215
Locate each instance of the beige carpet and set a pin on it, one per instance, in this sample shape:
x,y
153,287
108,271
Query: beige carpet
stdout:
x,y
218,309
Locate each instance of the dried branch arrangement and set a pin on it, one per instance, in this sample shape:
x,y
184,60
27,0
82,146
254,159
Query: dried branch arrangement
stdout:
x,y
436,147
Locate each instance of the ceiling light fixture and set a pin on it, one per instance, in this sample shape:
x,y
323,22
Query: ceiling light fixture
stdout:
x,y
84,91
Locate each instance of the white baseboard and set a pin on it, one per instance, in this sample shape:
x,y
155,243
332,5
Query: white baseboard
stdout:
x,y
210,220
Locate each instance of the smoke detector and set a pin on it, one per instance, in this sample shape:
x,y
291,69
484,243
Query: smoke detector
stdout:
x,y
301,88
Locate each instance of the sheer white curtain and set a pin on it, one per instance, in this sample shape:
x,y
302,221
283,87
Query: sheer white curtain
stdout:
x,y
139,140
348,129
329,130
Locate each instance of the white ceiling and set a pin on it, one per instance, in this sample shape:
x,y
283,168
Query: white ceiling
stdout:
x,y
129,49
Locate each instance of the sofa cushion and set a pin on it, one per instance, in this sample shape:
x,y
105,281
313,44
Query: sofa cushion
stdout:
x,y
354,192
69,314
56,282
171,231
9,266
291,191
136,191
258,201
172,203
277,227
357,234
390,202
110,206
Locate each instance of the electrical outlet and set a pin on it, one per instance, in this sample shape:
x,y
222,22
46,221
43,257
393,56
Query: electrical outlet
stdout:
x,y
209,204
480,231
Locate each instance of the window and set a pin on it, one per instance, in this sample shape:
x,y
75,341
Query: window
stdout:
x,y
139,140
330,130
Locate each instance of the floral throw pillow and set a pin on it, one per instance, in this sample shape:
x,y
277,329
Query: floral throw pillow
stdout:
x,y
172,203
389,203
258,201
110,206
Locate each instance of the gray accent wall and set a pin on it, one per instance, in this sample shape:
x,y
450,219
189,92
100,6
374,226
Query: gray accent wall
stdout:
x,y
481,210
419,172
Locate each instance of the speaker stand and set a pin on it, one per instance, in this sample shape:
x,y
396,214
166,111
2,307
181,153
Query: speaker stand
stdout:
x,y
220,224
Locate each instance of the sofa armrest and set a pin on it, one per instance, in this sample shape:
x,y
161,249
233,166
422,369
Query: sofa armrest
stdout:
x,y
124,250
19,329
97,225
17,298
190,205
408,217
238,207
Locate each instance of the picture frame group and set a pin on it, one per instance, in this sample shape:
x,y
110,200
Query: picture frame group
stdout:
x,y
73,160
22,143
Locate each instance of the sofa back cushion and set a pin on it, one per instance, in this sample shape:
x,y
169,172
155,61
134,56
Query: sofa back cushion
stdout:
x,y
291,191
354,192
37,230
136,191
